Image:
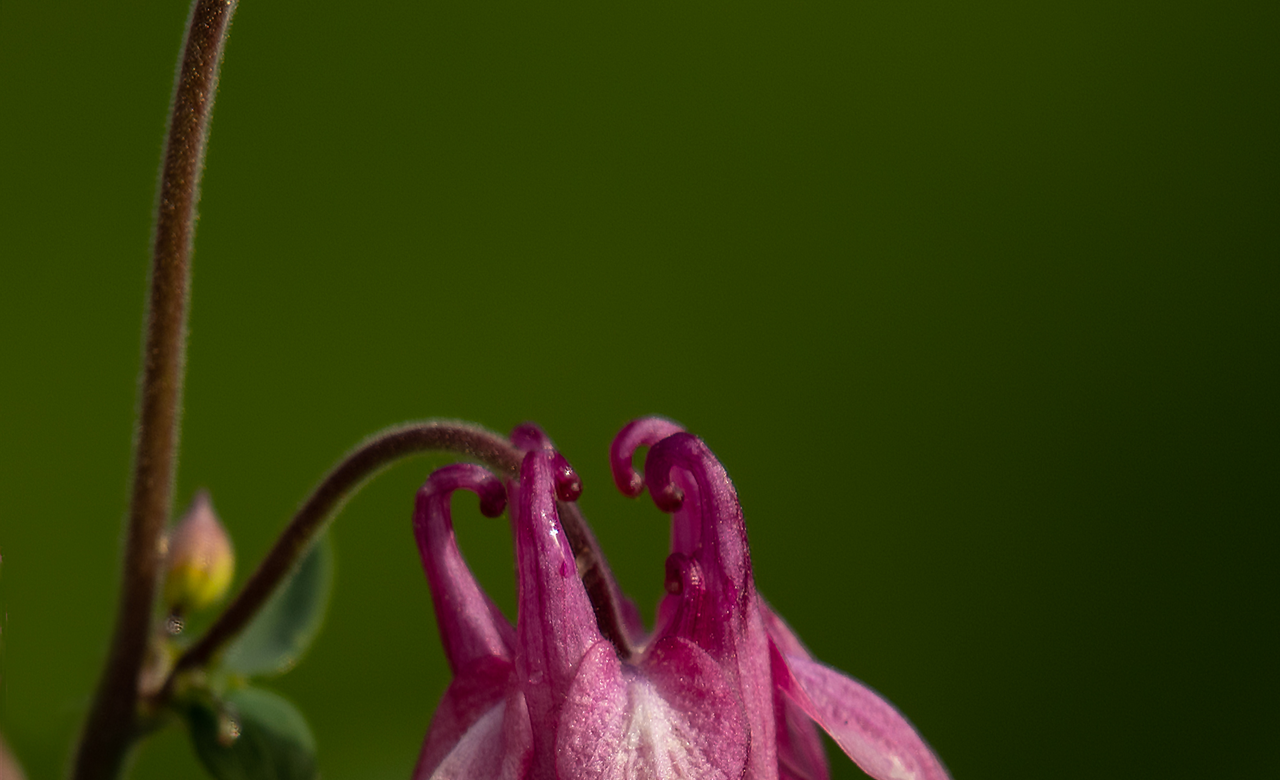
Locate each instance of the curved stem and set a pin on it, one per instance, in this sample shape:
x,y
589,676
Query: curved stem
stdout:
x,y
110,726
363,462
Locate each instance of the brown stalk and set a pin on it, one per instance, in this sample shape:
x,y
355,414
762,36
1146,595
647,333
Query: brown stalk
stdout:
x,y
110,727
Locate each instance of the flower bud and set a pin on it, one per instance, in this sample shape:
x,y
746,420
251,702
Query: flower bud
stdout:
x,y
201,560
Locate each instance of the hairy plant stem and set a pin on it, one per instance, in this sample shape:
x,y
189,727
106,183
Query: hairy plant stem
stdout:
x,y
110,727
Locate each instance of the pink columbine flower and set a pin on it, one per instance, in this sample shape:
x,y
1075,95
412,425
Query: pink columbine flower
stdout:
x,y
721,688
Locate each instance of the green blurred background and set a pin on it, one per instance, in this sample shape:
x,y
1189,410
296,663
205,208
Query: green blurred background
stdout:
x,y
976,302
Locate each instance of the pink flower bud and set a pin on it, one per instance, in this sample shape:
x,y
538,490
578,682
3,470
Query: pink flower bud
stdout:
x,y
201,561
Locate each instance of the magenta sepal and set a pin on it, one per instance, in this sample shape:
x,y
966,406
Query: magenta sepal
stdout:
x,y
865,726
481,728
673,715
801,755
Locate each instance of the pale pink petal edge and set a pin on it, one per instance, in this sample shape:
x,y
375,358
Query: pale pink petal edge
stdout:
x,y
869,730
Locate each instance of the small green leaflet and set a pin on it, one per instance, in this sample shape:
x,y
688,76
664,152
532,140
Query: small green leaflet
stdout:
x,y
252,735
281,633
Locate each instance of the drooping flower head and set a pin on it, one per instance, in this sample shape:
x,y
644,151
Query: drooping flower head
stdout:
x,y
720,689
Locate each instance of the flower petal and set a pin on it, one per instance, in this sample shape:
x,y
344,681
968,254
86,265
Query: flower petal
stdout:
x,y
471,625
475,690
555,625
644,432
676,715
496,747
684,477
869,730
478,641
801,755
616,615
781,634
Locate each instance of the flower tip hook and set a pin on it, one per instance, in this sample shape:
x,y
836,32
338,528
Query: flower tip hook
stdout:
x,y
644,432
530,437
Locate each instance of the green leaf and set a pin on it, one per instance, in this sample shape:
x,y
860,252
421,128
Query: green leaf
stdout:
x,y
252,735
277,638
